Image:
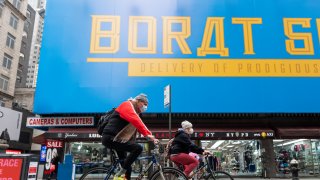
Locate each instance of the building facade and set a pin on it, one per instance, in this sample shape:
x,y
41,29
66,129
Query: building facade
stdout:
x,y
25,48
39,6
13,16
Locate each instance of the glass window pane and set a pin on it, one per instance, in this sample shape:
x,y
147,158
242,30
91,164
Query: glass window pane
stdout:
x,y
1,83
9,64
5,87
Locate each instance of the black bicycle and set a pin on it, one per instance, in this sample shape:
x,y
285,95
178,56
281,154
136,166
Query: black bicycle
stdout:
x,y
162,173
207,173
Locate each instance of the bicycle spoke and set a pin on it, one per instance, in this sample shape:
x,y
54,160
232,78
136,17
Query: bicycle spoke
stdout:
x,y
169,174
95,174
220,175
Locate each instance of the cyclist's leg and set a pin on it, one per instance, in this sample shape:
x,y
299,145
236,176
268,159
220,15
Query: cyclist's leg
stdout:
x,y
187,161
134,150
122,155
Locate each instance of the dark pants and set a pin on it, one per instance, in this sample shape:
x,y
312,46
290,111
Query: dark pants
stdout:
x,y
134,150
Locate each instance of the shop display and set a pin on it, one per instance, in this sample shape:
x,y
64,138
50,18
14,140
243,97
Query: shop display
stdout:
x,y
238,157
283,161
304,151
248,159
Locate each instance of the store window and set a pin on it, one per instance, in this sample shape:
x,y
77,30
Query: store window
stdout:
x,y
238,157
88,155
305,151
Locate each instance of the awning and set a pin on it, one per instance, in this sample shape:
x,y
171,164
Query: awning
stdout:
x,y
298,132
220,133
67,134
89,134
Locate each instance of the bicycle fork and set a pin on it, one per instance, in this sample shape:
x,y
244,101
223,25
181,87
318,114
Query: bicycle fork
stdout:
x,y
161,171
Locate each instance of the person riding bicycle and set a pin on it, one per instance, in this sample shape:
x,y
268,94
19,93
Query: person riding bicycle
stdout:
x,y
120,132
182,146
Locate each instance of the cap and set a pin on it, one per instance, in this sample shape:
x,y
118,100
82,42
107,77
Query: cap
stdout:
x,y
186,124
142,97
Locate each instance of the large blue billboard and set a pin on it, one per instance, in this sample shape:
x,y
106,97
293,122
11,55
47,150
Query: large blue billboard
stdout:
x,y
218,56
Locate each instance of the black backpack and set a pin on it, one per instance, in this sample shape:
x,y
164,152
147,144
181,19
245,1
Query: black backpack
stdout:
x,y
103,121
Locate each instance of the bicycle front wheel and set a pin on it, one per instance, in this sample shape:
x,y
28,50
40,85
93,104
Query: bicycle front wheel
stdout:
x,y
168,173
98,173
220,175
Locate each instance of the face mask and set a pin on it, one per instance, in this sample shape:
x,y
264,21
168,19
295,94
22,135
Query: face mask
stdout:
x,y
143,108
190,131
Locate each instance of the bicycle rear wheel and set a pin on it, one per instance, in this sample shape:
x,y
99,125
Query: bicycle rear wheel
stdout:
x,y
168,174
220,175
98,173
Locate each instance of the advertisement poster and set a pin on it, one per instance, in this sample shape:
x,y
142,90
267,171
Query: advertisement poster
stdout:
x,y
32,171
10,168
54,154
10,121
43,153
225,56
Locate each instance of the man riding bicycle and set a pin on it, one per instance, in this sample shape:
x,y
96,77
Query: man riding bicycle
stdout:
x,y
120,132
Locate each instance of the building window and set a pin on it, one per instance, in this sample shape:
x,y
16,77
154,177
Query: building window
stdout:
x,y
2,103
7,60
1,7
28,14
14,21
10,41
17,3
18,79
4,81
26,26
24,45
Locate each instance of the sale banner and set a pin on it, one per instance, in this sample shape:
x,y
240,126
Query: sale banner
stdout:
x,y
54,154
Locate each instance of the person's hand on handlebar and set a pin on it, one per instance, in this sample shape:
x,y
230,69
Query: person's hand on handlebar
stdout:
x,y
152,138
205,152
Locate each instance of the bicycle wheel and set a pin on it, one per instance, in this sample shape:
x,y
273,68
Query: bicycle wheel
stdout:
x,y
221,175
98,173
168,174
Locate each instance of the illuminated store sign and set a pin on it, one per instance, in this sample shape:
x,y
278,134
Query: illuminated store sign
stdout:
x,y
60,121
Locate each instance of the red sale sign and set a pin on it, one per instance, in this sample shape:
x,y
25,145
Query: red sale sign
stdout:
x,y
10,168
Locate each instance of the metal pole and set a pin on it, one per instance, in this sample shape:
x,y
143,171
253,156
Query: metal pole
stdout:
x,y
170,104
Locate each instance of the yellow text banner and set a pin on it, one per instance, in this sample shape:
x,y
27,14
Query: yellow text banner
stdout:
x,y
157,67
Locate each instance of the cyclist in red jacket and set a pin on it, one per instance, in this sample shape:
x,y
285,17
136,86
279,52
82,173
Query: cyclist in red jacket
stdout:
x,y
120,132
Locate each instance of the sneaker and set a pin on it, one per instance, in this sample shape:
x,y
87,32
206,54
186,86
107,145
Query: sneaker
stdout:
x,y
122,177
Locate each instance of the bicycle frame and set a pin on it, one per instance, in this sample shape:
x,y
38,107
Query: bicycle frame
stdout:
x,y
206,165
143,172
152,162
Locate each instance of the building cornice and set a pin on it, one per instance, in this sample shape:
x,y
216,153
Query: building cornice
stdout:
x,y
14,9
6,95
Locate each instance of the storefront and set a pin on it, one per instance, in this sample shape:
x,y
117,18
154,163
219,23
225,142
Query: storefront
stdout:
x,y
306,151
238,157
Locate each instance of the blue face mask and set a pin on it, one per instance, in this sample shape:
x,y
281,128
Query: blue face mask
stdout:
x,y
143,108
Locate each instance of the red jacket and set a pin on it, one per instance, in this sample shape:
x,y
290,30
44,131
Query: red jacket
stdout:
x,y
123,115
